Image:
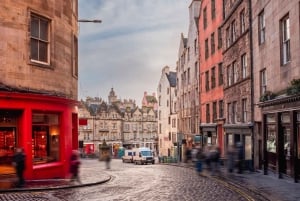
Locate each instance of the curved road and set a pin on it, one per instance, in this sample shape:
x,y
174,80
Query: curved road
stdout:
x,y
146,182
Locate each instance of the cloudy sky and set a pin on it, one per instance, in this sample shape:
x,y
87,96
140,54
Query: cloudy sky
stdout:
x,y
128,50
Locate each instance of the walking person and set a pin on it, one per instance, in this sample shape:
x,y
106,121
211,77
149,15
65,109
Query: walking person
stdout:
x,y
199,158
107,161
74,166
19,163
230,158
240,153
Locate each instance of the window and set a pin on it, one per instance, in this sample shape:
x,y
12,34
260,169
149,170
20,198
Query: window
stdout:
x,y
244,110
229,112
263,82
188,53
244,65
212,43
228,37
242,21
233,31
213,9
207,80
235,72
207,113
213,77
188,72
45,137
75,56
204,18
261,27
215,116
195,46
234,112
220,73
39,39
285,40
206,49
219,38
221,109
229,75
196,70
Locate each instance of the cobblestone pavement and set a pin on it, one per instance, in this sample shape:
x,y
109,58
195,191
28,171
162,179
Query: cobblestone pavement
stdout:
x,y
157,182
142,182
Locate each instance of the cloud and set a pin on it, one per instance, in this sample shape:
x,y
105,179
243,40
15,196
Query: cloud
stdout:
x,y
127,51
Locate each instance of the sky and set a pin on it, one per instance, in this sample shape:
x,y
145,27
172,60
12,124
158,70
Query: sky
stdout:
x,y
128,50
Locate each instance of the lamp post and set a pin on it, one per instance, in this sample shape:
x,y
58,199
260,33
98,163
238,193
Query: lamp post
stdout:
x,y
93,21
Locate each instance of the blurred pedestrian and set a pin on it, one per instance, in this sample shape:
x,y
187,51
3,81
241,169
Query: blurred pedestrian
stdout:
x,y
199,158
19,164
74,166
230,158
188,154
240,152
214,159
107,161
207,156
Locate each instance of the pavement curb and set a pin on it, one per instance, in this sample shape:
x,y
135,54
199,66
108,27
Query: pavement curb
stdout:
x,y
56,187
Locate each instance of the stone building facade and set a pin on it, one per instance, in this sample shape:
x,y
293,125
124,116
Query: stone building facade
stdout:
x,y
211,73
119,123
237,65
276,62
38,88
188,79
167,116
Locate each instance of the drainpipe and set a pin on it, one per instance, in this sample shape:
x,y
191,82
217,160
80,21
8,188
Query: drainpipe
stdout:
x,y
252,83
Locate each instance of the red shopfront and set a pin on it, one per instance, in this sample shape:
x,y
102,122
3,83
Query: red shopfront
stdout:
x,y
46,127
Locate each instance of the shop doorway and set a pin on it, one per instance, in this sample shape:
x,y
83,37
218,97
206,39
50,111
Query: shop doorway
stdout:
x,y
7,147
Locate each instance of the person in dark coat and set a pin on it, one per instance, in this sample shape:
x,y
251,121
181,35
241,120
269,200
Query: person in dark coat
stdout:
x,y
19,163
74,166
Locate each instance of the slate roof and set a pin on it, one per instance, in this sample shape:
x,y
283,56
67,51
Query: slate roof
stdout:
x,y
172,78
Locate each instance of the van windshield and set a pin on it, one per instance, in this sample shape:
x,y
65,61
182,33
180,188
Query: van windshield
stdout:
x,y
146,153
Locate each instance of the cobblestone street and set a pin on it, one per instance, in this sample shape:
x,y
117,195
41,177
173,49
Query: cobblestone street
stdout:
x,y
142,182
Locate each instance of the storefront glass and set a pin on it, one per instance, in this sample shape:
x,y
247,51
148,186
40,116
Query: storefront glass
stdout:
x,y
45,138
271,138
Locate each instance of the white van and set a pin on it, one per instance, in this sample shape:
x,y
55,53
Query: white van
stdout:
x,y
143,156
128,156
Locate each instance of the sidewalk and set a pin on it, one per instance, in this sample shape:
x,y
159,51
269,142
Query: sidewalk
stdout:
x,y
269,186
88,177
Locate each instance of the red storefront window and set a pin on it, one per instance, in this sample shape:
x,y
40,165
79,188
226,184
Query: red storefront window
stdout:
x,y
45,138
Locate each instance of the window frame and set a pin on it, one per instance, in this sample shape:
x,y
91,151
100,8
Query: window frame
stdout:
x,y
39,40
220,74
213,9
213,77
205,18
212,43
263,81
285,37
242,21
206,48
244,65
261,27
